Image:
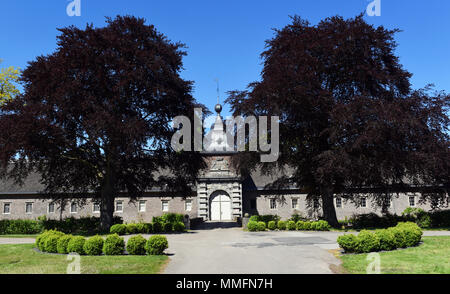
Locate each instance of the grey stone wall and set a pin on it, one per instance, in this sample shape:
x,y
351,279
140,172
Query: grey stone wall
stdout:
x,y
130,212
285,210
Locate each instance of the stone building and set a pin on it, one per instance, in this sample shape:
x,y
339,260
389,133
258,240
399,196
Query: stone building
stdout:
x,y
220,195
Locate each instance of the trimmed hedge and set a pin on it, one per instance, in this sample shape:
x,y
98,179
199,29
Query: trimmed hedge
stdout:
x,y
76,244
20,227
167,227
281,225
156,245
51,243
272,225
367,241
93,245
119,229
291,226
76,226
261,226
136,245
157,227
132,229
252,226
113,245
62,244
401,236
179,227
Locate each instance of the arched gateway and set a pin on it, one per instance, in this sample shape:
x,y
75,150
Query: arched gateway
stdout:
x,y
220,206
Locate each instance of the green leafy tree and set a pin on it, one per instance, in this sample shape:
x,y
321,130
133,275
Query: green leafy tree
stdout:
x,y
8,83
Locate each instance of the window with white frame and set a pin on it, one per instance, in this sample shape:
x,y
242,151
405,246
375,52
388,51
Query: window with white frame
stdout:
x,y
96,207
412,201
29,207
188,205
338,202
363,202
119,206
165,205
142,205
294,203
73,207
6,208
51,207
273,203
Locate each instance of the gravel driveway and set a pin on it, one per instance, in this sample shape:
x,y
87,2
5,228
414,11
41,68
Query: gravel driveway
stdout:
x,y
230,250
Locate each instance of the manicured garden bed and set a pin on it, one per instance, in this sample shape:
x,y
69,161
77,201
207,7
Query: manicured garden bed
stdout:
x,y
430,257
22,259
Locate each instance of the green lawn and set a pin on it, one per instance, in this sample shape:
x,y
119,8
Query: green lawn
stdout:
x,y
431,257
19,236
22,259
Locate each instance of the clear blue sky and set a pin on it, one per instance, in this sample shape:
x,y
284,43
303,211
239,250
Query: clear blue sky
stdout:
x,y
225,38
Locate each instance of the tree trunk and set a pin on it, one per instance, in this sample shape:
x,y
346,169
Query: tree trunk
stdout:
x,y
106,210
108,194
329,211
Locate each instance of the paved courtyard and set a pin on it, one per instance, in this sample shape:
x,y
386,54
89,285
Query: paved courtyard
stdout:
x,y
230,250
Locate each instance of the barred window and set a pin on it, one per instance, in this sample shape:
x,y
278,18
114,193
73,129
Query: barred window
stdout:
x,y
51,207
412,201
338,202
119,206
273,204
7,208
165,205
363,202
96,207
28,207
73,208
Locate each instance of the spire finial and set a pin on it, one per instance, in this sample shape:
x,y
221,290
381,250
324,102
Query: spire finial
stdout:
x,y
218,107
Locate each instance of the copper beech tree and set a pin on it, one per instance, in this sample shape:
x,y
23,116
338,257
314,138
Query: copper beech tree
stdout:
x,y
349,120
95,116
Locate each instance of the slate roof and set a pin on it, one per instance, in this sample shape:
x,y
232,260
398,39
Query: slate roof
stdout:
x,y
32,185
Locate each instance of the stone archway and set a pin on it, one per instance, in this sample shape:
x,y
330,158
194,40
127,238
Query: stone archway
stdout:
x,y
220,206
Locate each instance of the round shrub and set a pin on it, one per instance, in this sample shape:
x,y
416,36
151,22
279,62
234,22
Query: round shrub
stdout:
x,y
399,237
261,226
314,226
307,226
281,225
367,242
93,245
119,229
348,242
156,245
387,239
61,247
141,228
179,227
291,226
113,245
76,244
136,245
167,227
40,240
300,225
51,242
322,226
252,226
157,227
254,218
412,232
272,225
131,229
